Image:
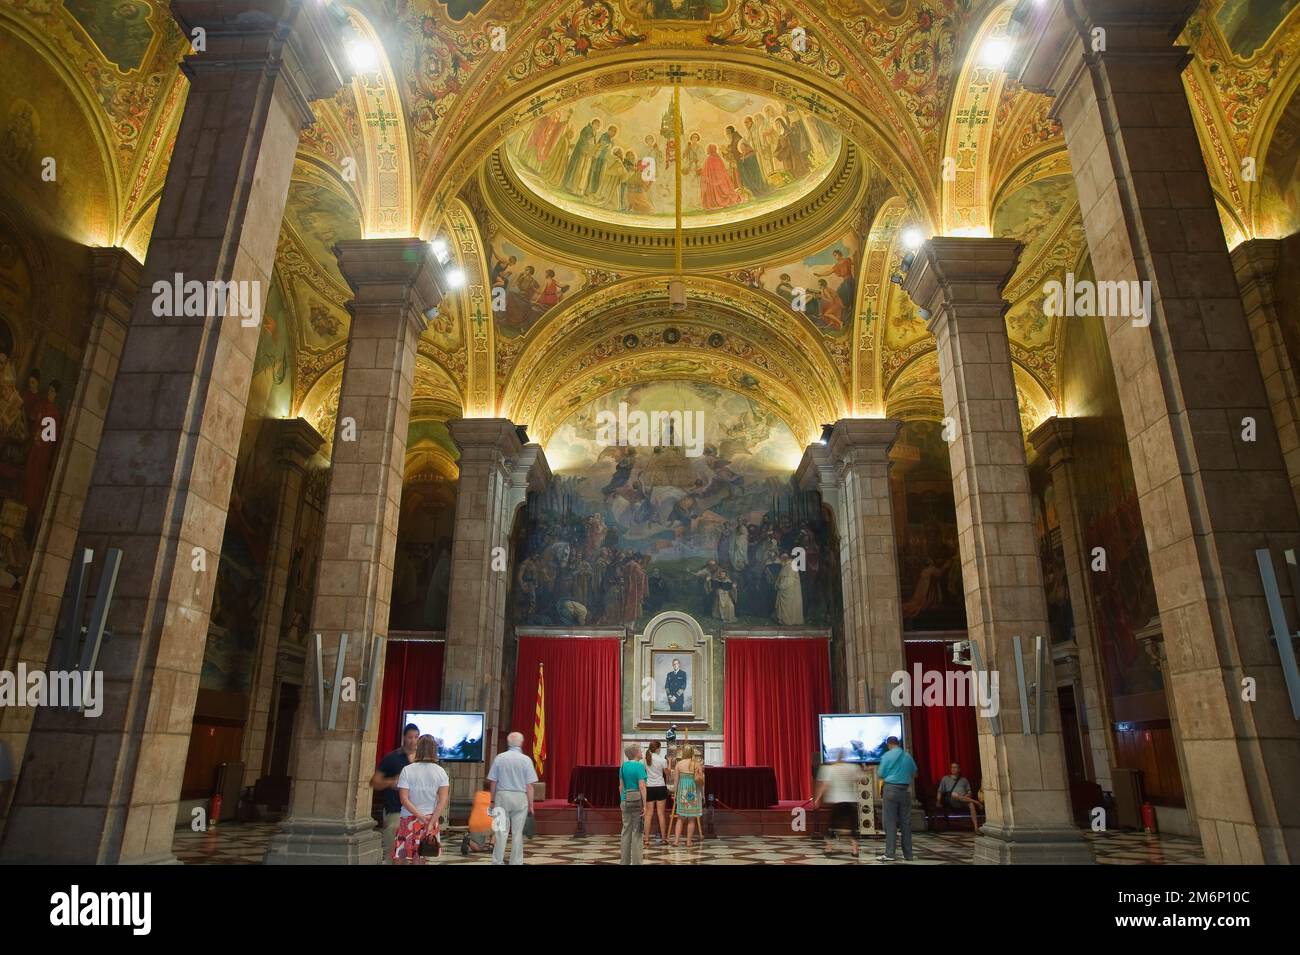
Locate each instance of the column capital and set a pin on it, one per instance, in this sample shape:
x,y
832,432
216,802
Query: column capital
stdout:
x,y
1055,39
1255,262
1054,441
385,274
302,40
295,441
962,273
116,276
499,435
852,436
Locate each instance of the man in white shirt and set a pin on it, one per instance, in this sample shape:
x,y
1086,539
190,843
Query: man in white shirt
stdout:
x,y
511,780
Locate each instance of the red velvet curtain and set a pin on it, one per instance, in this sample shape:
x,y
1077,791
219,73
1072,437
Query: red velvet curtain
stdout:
x,y
412,681
941,734
584,713
774,691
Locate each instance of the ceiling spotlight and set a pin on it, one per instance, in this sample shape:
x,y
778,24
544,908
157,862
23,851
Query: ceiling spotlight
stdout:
x,y
996,51
440,251
362,56
456,278
913,239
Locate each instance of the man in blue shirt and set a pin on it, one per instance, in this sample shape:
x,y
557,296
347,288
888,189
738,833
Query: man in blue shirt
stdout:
x,y
897,770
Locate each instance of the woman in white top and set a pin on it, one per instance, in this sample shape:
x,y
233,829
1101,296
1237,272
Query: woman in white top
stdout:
x,y
656,792
422,787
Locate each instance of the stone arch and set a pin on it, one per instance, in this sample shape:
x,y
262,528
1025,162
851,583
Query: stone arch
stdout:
x,y
387,197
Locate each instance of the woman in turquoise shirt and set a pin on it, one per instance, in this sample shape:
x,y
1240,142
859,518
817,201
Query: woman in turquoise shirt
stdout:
x,y
631,786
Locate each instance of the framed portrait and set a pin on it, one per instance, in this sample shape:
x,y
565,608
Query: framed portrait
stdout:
x,y
673,668
674,673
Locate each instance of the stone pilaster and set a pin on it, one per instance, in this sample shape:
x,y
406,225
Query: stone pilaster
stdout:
x,y
496,473
1054,442
1187,381
117,280
296,443
1277,343
959,282
852,473
106,789
395,282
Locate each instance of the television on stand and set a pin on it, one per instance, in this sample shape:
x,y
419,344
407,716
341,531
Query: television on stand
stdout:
x,y
459,734
858,737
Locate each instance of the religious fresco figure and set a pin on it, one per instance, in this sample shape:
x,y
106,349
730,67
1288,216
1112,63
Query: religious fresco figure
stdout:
x,y
788,611
580,160
716,189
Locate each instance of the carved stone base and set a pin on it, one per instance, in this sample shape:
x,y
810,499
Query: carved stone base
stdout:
x,y
1024,846
326,842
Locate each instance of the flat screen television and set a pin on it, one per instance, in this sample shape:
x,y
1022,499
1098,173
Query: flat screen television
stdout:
x,y
459,735
861,736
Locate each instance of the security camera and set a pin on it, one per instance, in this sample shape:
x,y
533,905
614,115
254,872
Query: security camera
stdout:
x,y
961,653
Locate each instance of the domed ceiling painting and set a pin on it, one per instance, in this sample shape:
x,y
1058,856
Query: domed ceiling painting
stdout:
x,y
610,157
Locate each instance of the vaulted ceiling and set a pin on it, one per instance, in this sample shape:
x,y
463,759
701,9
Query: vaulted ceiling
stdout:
x,y
466,126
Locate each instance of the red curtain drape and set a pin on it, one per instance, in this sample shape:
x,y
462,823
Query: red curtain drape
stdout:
x,y
774,691
412,681
584,714
941,734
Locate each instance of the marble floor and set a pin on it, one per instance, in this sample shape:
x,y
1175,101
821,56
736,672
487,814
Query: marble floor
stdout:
x,y
231,844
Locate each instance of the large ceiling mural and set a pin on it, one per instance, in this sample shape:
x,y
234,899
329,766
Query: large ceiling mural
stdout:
x,y
610,157
575,110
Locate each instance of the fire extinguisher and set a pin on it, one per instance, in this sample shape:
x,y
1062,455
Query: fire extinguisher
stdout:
x,y
214,809
1148,817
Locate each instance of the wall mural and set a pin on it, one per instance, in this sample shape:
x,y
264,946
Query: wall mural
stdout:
x,y
1246,25
1030,213
422,562
709,528
37,379
321,217
696,11
1280,183
925,526
533,286
254,498
611,157
119,28
1124,599
1051,555
829,279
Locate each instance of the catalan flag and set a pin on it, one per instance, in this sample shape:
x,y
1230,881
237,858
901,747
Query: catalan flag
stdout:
x,y
539,723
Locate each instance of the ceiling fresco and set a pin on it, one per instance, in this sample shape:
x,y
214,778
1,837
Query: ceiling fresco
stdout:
x,y
611,158
573,109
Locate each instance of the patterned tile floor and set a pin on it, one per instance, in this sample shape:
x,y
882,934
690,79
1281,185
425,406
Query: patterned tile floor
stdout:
x,y
245,845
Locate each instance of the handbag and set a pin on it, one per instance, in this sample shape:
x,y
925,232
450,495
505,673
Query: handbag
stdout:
x,y
530,827
430,844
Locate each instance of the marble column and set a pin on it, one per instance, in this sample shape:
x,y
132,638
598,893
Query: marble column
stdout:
x,y
497,471
1054,442
116,275
1188,377
958,282
1277,343
396,283
106,789
852,473
296,442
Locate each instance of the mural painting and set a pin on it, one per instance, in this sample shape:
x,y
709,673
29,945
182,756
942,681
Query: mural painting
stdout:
x,y
611,157
532,286
422,561
120,28
1248,24
925,526
829,279
623,533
